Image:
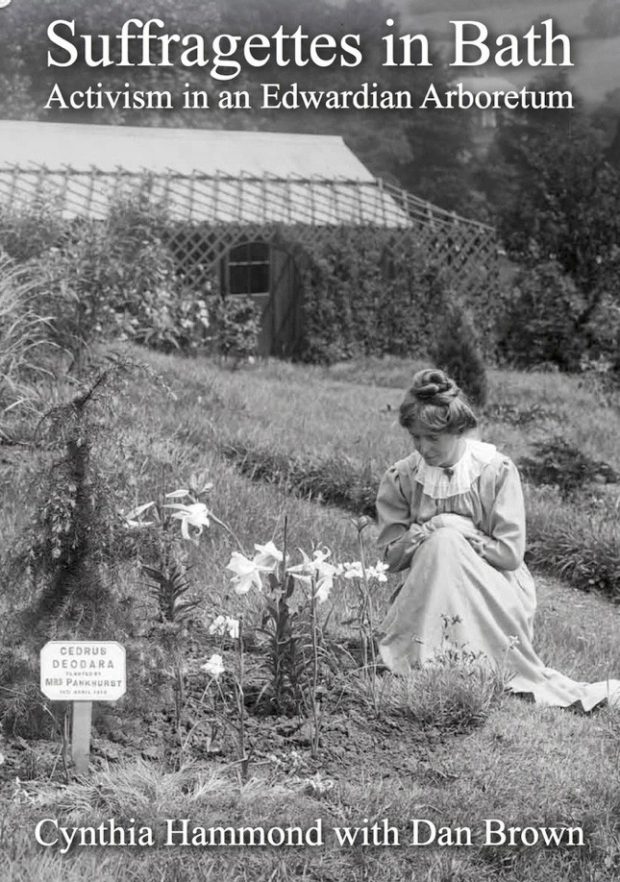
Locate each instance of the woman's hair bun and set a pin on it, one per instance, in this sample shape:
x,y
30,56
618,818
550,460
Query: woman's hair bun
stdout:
x,y
435,401
431,384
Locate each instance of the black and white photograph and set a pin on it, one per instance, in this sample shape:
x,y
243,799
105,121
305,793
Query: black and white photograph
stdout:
x,y
310,440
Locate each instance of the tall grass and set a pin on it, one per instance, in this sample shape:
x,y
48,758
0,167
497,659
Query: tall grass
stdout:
x,y
23,343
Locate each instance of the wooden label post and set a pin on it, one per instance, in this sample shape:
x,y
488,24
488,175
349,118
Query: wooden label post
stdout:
x,y
80,735
83,671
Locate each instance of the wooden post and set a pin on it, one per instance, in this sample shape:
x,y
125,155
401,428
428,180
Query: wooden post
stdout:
x,y
80,735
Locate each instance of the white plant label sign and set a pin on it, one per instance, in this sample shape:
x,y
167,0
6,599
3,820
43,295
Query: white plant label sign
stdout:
x,y
83,670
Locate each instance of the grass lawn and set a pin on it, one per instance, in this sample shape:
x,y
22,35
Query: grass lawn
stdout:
x,y
377,763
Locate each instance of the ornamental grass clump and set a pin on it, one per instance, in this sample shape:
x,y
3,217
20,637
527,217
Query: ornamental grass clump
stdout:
x,y
582,549
24,346
453,692
445,696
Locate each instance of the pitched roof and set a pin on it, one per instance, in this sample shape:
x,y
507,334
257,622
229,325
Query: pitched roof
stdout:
x,y
204,176
207,151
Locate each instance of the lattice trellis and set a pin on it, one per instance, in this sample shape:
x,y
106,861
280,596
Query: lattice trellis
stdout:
x,y
209,214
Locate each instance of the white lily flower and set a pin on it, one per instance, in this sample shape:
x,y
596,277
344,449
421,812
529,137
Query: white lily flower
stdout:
x,y
214,667
225,625
218,625
325,573
233,628
378,571
177,494
303,571
318,569
247,573
268,556
353,570
194,515
320,555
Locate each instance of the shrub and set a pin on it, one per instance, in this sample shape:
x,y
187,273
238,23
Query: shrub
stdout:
x,y
76,283
603,334
452,695
456,351
106,279
564,465
69,553
23,709
28,233
370,293
236,326
541,323
118,280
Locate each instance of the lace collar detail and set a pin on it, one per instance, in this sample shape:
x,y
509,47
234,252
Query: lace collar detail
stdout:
x,y
440,483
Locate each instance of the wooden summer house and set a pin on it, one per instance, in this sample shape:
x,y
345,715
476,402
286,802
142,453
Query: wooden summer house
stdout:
x,y
236,201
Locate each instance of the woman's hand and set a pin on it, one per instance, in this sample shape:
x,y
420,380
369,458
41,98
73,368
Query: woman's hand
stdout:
x,y
463,524
477,543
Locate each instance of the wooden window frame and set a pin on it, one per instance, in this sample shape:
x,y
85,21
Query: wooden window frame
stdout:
x,y
251,265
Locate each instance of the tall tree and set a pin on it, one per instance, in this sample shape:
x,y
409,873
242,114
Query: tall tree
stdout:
x,y
557,198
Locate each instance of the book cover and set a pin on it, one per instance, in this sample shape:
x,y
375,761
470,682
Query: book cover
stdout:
x,y
231,231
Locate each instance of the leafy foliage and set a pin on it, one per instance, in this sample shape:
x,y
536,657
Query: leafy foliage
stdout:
x,y
366,294
71,548
364,291
24,711
169,586
558,203
116,278
539,325
28,233
237,326
287,649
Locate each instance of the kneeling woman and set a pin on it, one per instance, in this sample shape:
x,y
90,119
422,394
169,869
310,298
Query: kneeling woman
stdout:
x,y
451,516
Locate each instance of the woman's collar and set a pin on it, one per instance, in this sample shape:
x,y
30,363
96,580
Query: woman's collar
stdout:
x,y
442,482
